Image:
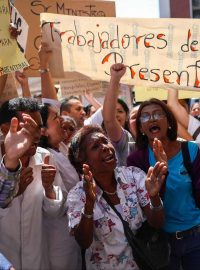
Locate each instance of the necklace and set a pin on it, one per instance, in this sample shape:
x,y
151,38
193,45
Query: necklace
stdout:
x,y
110,193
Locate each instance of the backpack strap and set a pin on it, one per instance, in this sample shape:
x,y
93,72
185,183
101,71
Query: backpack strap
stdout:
x,y
196,133
186,157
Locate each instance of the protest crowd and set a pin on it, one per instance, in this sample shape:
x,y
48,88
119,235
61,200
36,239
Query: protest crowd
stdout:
x,y
80,177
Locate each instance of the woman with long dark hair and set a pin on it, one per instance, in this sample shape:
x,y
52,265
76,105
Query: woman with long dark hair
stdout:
x,y
156,140
64,253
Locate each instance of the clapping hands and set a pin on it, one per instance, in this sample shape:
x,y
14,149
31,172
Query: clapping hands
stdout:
x,y
155,178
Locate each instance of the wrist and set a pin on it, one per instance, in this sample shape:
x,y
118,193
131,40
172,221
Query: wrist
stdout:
x,y
43,70
154,197
156,204
11,164
87,214
49,188
50,193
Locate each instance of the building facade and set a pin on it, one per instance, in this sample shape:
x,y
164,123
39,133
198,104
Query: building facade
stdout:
x,y
179,8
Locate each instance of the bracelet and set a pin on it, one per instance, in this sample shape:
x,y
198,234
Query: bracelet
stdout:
x,y
85,215
43,70
156,208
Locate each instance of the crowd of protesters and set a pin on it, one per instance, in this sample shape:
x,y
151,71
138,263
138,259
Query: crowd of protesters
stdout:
x,y
59,158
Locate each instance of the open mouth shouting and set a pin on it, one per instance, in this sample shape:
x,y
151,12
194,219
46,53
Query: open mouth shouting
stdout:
x,y
154,129
109,158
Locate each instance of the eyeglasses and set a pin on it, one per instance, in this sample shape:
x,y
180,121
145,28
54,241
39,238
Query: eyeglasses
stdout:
x,y
156,115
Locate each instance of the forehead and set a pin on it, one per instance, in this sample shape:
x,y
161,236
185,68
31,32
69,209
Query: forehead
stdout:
x,y
119,106
196,105
96,136
75,103
150,108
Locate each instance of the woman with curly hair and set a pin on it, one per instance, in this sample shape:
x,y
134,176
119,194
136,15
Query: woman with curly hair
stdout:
x,y
135,195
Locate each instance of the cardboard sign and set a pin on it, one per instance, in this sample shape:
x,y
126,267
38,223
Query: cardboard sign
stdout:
x,y
144,93
10,90
22,26
31,10
157,52
11,58
79,86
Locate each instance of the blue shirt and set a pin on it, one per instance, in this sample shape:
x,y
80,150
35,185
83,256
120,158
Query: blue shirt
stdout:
x,y
179,203
4,263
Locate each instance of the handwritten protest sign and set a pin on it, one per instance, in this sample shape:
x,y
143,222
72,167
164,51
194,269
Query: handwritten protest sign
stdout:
x,y
144,93
21,26
79,86
11,58
157,52
31,10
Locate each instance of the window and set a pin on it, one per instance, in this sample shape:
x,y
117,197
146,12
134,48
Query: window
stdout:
x,y
196,9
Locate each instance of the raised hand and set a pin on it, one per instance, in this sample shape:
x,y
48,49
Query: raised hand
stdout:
x,y
44,54
48,174
26,177
159,152
21,78
89,185
92,100
155,178
14,33
17,142
117,71
88,95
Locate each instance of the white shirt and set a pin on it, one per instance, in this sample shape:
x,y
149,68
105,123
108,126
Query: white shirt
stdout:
x,y
64,251
21,224
95,119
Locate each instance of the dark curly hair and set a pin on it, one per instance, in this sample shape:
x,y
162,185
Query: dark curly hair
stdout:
x,y
141,140
76,153
11,108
